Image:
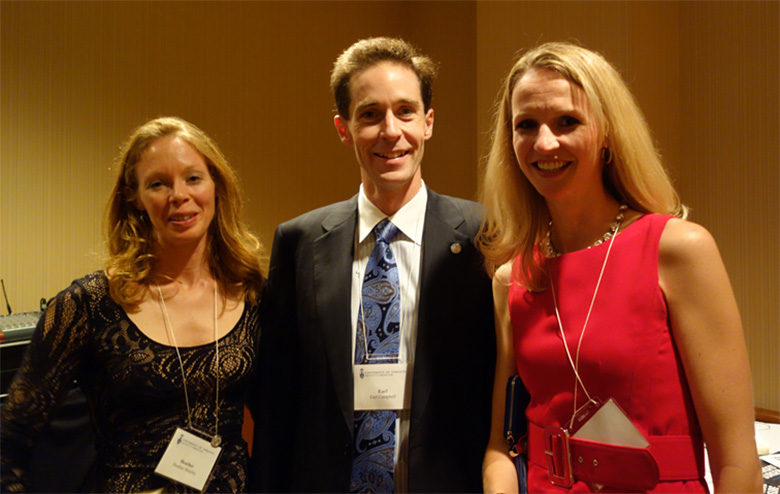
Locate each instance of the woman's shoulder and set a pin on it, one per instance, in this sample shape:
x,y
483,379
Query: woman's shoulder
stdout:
x,y
675,235
95,279
503,275
506,278
686,242
683,234
95,284
91,285
91,293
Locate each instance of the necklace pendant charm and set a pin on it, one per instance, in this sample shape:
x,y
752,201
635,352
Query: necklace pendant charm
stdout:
x,y
216,441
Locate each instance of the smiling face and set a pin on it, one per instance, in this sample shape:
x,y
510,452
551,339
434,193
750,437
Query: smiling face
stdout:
x,y
555,136
388,127
176,191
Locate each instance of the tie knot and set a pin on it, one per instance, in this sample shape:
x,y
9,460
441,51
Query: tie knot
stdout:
x,y
384,231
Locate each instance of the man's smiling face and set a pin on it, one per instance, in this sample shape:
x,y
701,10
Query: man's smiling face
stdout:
x,y
388,126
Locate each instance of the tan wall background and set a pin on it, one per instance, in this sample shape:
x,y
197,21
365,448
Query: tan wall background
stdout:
x,y
77,77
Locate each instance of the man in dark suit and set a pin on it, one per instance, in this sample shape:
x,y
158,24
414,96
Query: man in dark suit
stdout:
x,y
312,318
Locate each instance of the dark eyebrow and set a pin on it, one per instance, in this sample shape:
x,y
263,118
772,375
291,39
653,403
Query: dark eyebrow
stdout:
x,y
521,116
368,104
416,104
362,106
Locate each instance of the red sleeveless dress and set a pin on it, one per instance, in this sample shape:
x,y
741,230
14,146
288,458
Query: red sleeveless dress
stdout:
x,y
627,351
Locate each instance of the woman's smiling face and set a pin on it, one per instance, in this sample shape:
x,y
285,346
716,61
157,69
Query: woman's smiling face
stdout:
x,y
177,192
555,135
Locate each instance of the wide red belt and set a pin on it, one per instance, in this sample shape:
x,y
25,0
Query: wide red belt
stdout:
x,y
568,459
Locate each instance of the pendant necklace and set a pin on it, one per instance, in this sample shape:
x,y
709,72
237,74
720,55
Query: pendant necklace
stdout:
x,y
216,440
575,363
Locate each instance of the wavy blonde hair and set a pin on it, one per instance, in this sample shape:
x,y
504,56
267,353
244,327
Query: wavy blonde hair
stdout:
x,y
234,252
516,215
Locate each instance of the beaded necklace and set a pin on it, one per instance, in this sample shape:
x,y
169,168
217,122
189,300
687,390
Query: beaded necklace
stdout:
x,y
549,250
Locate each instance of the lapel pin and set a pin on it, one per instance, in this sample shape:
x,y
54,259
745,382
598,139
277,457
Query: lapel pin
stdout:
x,y
455,248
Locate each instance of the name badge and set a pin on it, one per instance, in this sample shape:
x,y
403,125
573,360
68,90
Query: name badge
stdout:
x,y
188,459
382,386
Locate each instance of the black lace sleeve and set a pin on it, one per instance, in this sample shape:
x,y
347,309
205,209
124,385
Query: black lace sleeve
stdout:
x,y
44,378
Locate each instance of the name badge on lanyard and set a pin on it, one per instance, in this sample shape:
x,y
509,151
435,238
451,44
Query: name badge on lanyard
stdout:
x,y
188,459
382,386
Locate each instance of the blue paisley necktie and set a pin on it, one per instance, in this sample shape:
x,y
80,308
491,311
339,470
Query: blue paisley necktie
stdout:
x,y
378,337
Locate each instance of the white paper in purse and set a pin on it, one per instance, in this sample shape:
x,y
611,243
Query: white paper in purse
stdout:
x,y
609,424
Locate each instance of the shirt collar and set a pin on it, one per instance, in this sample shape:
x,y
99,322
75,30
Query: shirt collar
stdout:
x,y
407,219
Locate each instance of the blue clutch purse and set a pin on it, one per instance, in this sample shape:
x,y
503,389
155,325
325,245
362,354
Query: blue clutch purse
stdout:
x,y
516,427
515,424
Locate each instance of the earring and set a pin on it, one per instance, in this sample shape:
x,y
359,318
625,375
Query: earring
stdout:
x,y
606,155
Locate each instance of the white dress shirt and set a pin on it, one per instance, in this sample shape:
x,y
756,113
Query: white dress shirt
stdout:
x,y
407,249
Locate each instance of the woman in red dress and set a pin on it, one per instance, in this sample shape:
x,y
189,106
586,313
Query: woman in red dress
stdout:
x,y
604,293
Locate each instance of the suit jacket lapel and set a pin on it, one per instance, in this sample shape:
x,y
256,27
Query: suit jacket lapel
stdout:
x,y
440,232
332,264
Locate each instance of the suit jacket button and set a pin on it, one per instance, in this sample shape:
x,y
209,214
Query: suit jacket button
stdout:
x,y
455,248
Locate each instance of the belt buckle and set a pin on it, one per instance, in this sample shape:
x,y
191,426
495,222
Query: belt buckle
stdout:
x,y
556,443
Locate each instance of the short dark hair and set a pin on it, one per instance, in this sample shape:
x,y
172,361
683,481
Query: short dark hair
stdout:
x,y
371,51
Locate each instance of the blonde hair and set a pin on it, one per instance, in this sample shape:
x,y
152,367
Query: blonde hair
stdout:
x,y
234,252
516,215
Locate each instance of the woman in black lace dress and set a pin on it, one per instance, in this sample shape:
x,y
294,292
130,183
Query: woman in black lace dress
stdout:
x,y
162,341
